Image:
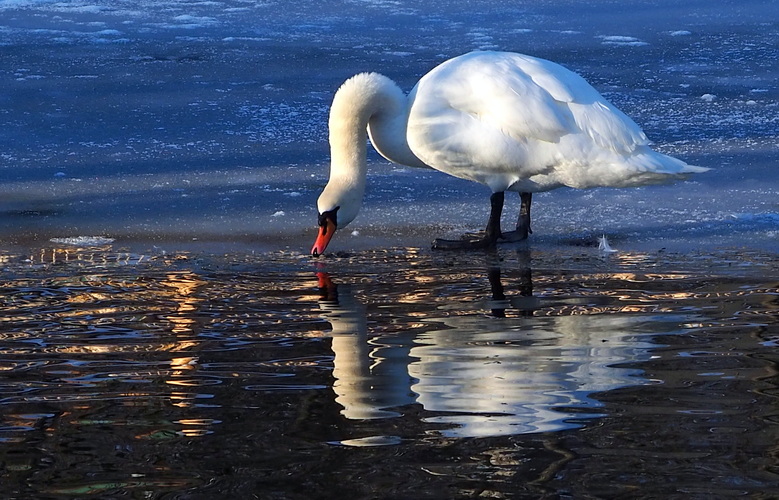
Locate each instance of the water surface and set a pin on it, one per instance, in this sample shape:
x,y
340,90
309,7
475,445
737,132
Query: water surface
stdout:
x,y
388,374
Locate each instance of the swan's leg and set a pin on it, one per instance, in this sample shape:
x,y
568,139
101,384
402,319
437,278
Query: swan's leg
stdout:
x,y
491,234
523,221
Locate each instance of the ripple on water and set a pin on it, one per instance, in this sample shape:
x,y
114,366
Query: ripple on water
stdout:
x,y
112,362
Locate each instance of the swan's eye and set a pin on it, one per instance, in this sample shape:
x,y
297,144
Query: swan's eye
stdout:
x,y
322,220
328,217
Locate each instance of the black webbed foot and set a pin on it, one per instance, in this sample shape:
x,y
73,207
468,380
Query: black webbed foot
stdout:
x,y
465,243
513,236
490,237
493,234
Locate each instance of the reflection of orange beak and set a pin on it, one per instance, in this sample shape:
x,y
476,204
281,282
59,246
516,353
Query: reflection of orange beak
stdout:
x,y
326,232
328,291
324,280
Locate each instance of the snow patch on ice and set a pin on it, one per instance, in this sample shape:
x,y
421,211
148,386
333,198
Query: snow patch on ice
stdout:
x,y
620,40
481,39
84,241
188,21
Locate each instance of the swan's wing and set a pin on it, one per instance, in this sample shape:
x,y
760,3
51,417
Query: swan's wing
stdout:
x,y
594,116
487,108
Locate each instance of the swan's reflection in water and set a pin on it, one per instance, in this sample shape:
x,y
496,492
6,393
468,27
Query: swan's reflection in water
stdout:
x,y
371,374
485,375
517,380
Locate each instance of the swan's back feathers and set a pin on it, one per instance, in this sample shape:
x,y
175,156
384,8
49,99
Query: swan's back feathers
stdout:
x,y
527,98
593,115
513,117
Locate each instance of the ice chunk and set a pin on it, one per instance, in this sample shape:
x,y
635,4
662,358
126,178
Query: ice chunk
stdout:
x,y
603,245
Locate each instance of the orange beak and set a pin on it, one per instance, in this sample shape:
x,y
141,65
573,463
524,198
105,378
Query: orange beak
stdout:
x,y
327,228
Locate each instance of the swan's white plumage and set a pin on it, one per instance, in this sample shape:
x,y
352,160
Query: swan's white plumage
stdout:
x,y
520,123
510,121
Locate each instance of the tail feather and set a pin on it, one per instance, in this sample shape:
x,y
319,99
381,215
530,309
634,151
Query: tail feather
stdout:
x,y
648,160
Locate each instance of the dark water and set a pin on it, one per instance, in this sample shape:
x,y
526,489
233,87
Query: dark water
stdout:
x,y
538,372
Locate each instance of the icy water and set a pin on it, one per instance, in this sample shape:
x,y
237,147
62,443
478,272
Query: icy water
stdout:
x,y
163,333
389,374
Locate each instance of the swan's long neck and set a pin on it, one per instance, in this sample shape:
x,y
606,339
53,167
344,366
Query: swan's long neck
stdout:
x,y
366,102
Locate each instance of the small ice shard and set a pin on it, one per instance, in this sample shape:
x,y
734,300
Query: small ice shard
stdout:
x,y
603,245
280,213
708,97
355,233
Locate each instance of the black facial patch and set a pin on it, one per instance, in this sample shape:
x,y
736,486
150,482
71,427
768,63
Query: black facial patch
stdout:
x,y
329,215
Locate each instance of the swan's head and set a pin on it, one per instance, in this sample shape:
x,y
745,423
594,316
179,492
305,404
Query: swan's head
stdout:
x,y
338,205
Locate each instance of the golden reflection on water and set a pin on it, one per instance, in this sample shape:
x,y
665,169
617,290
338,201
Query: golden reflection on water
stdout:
x,y
185,286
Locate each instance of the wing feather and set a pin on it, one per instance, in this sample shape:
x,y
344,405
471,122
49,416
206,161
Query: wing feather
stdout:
x,y
523,98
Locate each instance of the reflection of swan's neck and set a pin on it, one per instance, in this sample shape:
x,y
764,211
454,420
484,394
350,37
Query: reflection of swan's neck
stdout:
x,y
369,377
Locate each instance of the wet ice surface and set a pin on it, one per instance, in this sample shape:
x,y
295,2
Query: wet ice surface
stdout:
x,y
163,331
168,122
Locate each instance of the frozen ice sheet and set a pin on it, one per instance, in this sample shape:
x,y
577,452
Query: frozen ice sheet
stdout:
x,y
179,122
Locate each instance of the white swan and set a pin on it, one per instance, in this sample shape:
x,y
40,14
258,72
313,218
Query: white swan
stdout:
x,y
509,121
